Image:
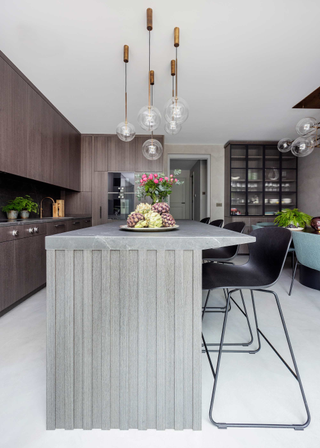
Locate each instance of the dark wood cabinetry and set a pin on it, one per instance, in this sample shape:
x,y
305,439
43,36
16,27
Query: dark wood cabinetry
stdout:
x,y
23,258
36,141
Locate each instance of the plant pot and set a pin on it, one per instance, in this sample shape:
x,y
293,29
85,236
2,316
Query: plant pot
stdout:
x,y
315,223
24,214
13,214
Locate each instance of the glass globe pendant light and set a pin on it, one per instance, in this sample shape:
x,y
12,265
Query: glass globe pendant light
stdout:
x,y
176,109
172,127
149,117
306,126
125,131
152,149
303,146
284,145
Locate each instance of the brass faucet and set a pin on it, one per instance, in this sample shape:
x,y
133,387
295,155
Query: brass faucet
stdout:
x,y
41,209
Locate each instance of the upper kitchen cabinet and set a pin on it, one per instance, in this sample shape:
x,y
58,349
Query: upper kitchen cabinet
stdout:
x,y
113,155
36,141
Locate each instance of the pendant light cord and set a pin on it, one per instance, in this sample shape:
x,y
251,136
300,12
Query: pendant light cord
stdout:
x,y
125,94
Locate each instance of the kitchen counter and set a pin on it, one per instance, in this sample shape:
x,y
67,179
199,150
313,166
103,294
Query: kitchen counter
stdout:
x,y
18,222
124,326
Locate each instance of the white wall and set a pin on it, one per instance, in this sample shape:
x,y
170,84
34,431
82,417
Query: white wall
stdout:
x,y
216,153
309,183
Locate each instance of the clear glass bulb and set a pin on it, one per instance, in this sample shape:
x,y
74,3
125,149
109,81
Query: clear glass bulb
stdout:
x,y
306,125
284,145
303,146
126,131
176,109
149,118
172,128
152,149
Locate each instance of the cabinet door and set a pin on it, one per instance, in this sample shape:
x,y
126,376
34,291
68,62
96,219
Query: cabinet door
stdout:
x,y
121,155
99,198
143,164
101,145
74,224
8,279
60,152
30,264
74,160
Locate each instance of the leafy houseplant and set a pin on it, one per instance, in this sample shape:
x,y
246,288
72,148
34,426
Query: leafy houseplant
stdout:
x,y
156,185
19,204
292,218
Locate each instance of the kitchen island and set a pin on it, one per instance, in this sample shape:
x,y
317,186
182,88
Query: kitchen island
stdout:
x,y
124,326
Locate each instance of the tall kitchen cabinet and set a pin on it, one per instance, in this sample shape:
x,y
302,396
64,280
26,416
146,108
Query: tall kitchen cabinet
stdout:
x,y
36,140
111,155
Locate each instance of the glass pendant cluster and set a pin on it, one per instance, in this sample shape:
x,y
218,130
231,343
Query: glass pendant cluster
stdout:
x,y
307,128
149,117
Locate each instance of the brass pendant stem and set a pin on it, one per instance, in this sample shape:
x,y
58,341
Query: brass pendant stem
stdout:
x,y
149,19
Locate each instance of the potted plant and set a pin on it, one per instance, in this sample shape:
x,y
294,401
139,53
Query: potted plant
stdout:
x,y
19,204
156,185
292,219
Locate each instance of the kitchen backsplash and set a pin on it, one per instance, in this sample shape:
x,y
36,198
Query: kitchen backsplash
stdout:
x,y
12,186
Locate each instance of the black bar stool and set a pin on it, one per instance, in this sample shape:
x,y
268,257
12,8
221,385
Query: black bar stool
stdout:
x,y
266,261
205,220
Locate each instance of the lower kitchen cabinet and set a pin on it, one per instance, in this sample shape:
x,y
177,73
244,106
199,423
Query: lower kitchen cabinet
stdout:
x,y
8,276
30,263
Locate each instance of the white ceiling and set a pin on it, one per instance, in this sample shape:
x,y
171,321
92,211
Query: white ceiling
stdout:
x,y
242,64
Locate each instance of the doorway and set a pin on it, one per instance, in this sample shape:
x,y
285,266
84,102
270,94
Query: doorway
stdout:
x,y
190,200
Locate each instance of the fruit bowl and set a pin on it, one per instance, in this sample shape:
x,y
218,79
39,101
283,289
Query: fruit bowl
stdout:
x,y
149,229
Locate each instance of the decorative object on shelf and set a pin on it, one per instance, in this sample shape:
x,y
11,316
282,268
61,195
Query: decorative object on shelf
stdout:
x,y
125,131
155,217
292,219
156,185
273,174
315,223
19,204
302,146
149,117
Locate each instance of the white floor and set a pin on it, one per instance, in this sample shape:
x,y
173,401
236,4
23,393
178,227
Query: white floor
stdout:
x,y
252,386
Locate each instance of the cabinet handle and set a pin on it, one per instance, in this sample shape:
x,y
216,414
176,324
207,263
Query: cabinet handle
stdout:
x,y
76,222
36,229
88,220
60,225
15,232
100,212
31,230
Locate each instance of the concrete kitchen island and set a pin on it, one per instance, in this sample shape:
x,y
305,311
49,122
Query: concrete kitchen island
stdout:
x,y
124,326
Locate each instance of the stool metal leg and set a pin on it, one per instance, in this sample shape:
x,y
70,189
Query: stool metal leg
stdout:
x,y
293,276
224,425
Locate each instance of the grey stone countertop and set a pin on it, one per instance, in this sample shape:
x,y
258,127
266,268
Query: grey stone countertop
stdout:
x,y
191,235
21,222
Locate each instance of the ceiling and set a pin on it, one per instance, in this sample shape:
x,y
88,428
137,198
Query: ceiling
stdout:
x,y
243,65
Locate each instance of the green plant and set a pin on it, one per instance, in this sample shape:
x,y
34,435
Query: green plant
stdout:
x,y
156,185
20,203
292,218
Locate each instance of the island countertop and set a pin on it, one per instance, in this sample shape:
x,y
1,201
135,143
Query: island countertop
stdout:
x,y
191,235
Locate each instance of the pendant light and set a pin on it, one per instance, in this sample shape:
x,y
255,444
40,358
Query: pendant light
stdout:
x,y
172,127
149,117
304,145
125,131
176,109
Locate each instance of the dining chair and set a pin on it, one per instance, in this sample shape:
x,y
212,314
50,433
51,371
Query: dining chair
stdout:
x,y
307,247
266,260
228,253
217,223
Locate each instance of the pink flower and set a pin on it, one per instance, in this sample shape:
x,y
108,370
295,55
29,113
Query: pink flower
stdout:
x,y
141,181
165,178
171,175
155,175
150,177
161,179
156,181
176,180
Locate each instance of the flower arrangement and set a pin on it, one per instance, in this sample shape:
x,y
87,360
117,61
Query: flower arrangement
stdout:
x,y
156,185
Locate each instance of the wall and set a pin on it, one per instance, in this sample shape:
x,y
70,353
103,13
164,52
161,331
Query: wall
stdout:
x,y
309,183
216,153
12,186
196,173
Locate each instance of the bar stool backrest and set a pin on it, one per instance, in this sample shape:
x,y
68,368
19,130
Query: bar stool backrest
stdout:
x,y
235,226
205,220
269,252
217,223
307,247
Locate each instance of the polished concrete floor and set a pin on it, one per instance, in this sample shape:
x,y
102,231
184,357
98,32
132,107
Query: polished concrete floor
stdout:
x,y
252,387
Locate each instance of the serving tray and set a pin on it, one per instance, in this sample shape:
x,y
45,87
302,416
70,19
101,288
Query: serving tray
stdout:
x,y
149,229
